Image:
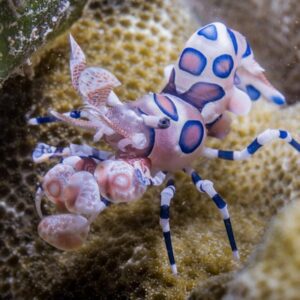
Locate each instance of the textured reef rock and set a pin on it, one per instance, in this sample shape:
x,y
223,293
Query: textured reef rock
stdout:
x,y
213,288
272,28
273,272
125,256
26,25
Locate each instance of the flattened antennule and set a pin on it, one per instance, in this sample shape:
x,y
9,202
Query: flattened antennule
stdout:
x,y
95,85
77,61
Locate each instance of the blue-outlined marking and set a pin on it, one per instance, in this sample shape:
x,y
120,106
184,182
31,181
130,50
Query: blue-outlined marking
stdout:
x,y
253,93
209,32
233,40
197,68
247,51
223,65
173,114
186,146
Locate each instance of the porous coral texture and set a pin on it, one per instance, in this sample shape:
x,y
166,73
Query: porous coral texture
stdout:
x,y
273,272
125,256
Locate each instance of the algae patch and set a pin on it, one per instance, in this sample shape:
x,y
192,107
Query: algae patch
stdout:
x,y
26,25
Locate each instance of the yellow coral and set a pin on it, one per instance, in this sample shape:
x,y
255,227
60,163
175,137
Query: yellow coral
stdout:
x,y
273,272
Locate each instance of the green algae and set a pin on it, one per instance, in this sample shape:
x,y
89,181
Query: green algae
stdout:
x,y
26,26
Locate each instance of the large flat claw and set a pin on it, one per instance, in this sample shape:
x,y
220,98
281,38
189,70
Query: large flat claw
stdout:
x,y
65,231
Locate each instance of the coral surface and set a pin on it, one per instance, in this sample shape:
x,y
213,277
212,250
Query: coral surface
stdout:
x,y
125,256
273,272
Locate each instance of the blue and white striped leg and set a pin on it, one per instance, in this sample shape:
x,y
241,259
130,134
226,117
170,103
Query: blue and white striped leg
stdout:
x,y
261,140
44,152
88,151
74,114
156,180
165,198
206,186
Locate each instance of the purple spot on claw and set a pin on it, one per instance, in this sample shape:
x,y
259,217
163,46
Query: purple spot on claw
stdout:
x,y
222,65
201,93
192,61
167,106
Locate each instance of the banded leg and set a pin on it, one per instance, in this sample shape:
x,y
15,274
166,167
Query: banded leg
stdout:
x,y
206,186
156,180
75,114
165,198
261,140
44,152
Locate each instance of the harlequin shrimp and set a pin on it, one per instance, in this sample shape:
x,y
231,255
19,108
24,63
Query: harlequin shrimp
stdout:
x,y
152,137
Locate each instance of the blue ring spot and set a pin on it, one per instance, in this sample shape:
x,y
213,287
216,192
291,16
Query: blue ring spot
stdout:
x,y
233,40
247,51
198,67
173,114
209,32
187,146
220,70
253,93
